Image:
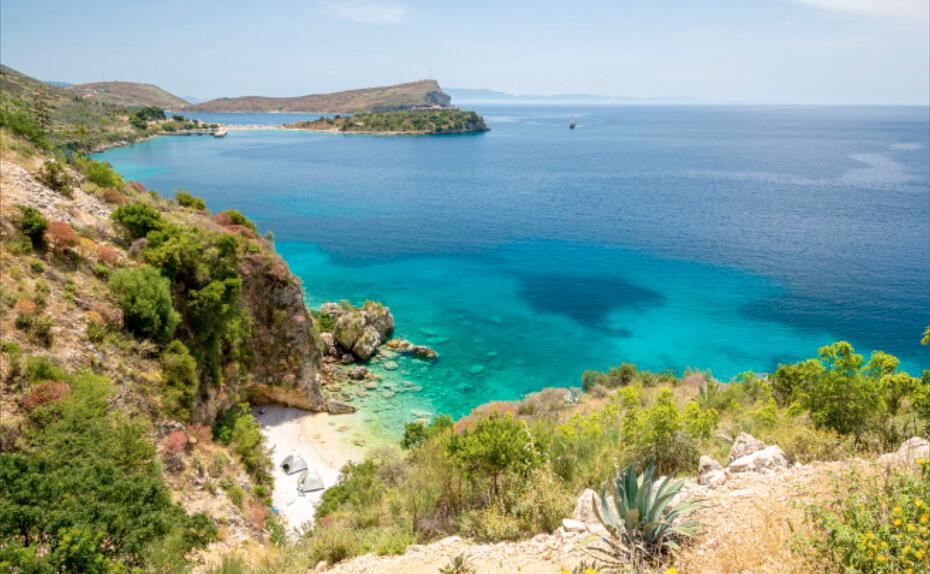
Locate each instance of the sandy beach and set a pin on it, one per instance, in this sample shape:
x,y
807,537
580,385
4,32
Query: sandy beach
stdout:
x,y
326,442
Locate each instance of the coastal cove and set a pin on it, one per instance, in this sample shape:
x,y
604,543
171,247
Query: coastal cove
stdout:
x,y
663,236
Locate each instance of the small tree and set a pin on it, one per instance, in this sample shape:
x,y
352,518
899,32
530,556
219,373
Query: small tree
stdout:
x,y
179,376
33,225
139,219
495,446
56,177
145,298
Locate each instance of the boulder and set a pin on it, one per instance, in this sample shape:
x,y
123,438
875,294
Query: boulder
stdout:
x,y
333,310
908,453
367,343
348,328
329,344
572,525
745,444
768,460
357,373
710,473
379,318
584,508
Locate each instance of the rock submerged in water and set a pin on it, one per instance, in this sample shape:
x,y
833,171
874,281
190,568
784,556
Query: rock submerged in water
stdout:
x,y
476,369
406,347
390,365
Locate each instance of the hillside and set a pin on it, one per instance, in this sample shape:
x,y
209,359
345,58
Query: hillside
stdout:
x,y
419,122
128,94
384,98
55,118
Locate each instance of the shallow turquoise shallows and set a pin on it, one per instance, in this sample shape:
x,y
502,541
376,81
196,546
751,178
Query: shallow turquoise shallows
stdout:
x,y
722,238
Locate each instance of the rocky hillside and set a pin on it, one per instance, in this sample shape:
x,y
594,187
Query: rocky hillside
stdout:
x,y
69,120
383,98
128,94
282,348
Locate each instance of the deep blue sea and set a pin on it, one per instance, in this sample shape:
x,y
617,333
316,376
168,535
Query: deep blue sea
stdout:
x,y
722,238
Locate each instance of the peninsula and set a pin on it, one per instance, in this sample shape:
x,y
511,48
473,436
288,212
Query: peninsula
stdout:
x,y
378,99
413,122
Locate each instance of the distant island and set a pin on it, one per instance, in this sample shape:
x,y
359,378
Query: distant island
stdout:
x,y
378,99
434,120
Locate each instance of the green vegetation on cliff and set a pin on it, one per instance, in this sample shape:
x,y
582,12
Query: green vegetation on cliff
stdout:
x,y
446,121
130,324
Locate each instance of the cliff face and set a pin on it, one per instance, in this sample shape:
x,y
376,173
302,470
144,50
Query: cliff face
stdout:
x,y
285,342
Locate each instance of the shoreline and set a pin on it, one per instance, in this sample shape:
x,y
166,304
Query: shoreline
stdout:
x,y
326,442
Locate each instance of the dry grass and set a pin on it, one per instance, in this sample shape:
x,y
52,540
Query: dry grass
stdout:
x,y
750,522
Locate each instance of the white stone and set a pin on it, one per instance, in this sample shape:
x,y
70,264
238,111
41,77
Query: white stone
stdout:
x,y
745,444
710,472
769,459
572,525
908,453
584,508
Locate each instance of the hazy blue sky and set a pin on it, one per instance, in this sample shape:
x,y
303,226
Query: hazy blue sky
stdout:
x,y
809,51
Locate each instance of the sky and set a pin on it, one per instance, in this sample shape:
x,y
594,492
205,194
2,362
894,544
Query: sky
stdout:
x,y
718,51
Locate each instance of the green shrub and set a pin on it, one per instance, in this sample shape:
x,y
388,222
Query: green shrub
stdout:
x,y
36,265
41,331
185,199
417,432
55,176
88,474
238,429
145,298
32,224
236,495
236,218
40,368
139,219
22,123
99,172
334,545
179,378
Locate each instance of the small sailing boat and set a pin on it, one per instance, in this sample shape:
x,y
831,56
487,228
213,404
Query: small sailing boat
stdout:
x,y
571,123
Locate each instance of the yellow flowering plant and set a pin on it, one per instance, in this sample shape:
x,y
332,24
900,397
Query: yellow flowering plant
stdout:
x,y
873,524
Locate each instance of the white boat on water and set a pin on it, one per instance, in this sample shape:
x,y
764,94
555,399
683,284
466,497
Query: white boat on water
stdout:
x,y
220,133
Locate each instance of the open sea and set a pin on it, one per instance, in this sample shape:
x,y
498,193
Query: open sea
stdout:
x,y
673,237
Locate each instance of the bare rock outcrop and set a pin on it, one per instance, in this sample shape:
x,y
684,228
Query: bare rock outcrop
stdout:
x,y
745,444
710,473
359,331
908,453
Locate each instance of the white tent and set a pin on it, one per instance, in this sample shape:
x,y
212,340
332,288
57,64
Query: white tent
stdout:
x,y
293,464
309,481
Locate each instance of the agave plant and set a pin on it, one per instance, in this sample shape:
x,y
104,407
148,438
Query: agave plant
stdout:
x,y
639,517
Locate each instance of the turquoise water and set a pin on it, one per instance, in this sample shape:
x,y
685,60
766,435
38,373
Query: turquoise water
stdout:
x,y
673,237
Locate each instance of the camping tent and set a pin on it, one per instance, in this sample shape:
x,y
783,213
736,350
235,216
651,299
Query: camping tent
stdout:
x,y
293,464
309,481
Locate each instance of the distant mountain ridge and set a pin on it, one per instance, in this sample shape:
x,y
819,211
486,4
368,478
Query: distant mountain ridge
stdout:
x,y
482,95
382,98
129,94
